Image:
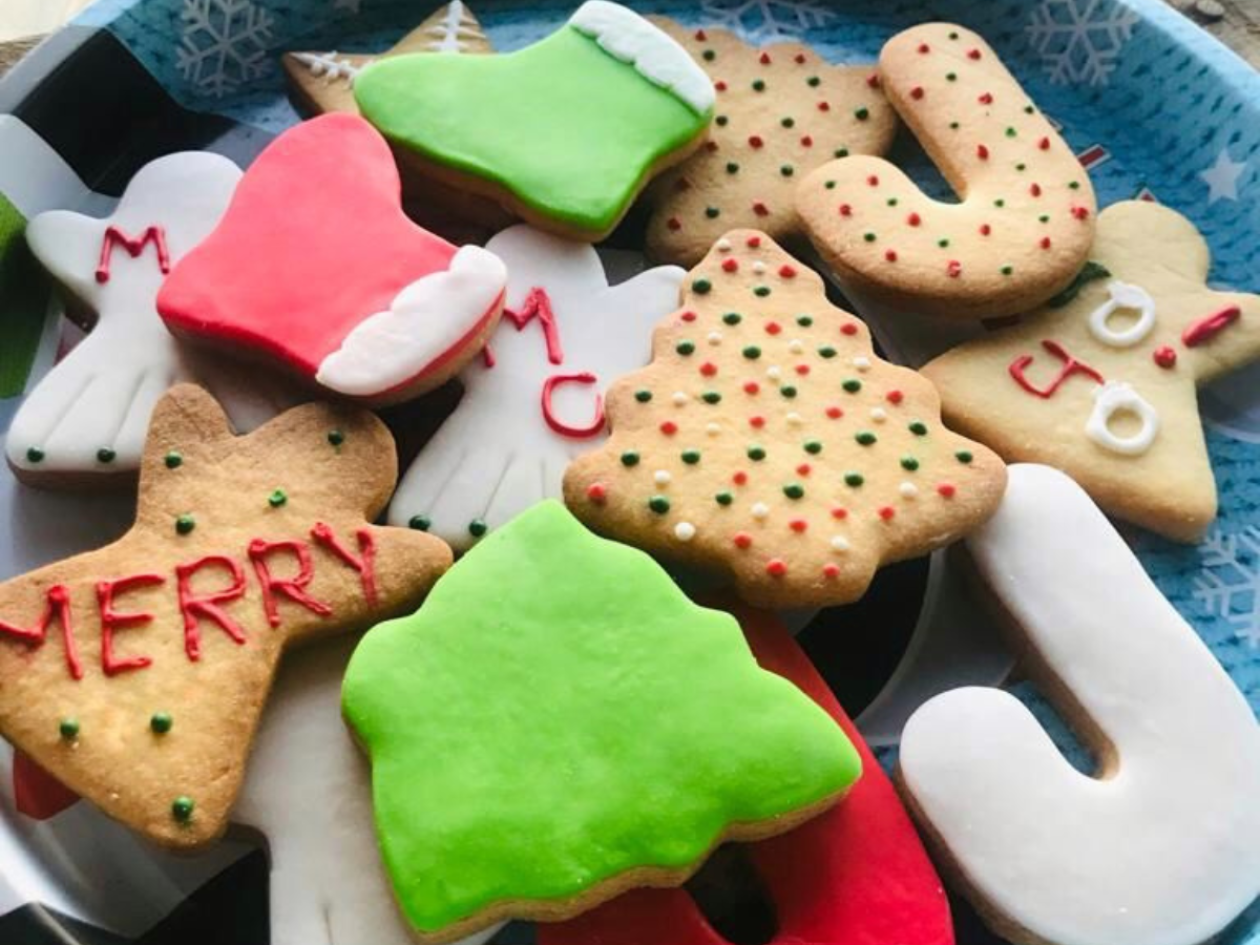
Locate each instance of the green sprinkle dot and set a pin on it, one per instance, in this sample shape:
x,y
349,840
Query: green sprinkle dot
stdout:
x,y
827,351
1006,270
830,185
1011,132
918,428
953,34
643,395
813,447
869,237
752,352
477,528
701,286
1029,110
173,460
756,453
34,455
853,479
909,463
788,391
336,437
862,113
813,81
1044,218
732,318
709,55
964,456
658,504
804,320
787,170
69,728
420,523
732,167
721,121
892,201
711,397
852,385
277,499
712,212
999,202
787,122
1074,185
185,524
105,455
761,291
865,437
691,457
1021,166
953,126
841,152
629,458
685,348
942,243
723,498
794,490
182,808
758,85
161,722
951,76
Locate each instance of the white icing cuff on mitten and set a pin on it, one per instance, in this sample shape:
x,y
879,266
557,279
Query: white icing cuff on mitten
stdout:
x,y
627,36
424,323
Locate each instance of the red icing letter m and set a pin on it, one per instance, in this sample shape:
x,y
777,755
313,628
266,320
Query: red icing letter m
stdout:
x,y
59,608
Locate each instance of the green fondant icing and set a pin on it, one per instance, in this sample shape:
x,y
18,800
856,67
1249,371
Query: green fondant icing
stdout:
x,y
568,129
558,712
23,301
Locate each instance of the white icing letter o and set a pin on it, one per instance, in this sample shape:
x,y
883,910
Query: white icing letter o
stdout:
x,y
1111,398
1123,296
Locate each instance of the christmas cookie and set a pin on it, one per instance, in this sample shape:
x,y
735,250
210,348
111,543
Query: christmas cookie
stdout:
x,y
1102,381
135,674
858,874
84,423
1025,218
316,270
1162,842
534,401
659,736
767,441
782,111
564,133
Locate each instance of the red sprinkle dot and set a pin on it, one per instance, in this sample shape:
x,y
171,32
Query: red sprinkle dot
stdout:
x,y
800,59
742,539
773,328
973,54
946,490
776,568
873,180
839,514
730,265
807,141
674,223
1045,242
1081,213
597,492
1035,190
887,512
1044,144
985,229
873,80
924,48
831,569
752,387
986,98
688,316
755,141
803,469
834,413
953,269
708,369
765,59
787,272
1165,357
916,92
849,328
890,255
711,145
720,85
740,478
895,396
914,219
757,422
802,369
798,525
753,242
982,152
845,210
760,209
669,428
700,36
824,106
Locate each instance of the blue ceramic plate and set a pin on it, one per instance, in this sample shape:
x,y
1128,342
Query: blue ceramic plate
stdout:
x,y
1155,108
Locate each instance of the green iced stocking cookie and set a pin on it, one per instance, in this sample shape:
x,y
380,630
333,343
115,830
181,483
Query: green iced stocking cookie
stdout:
x,y
559,723
23,295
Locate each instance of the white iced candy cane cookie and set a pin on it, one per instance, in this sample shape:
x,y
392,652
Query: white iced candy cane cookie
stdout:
x,y
534,400
1163,846
309,791
90,413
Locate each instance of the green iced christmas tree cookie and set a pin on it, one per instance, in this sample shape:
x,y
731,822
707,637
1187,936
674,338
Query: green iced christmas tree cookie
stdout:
x,y
565,132
559,723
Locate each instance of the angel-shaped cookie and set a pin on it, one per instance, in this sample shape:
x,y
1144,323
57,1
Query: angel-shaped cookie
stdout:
x,y
84,423
135,674
534,401
1102,383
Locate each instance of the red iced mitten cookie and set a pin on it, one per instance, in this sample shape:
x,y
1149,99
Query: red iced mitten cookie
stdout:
x,y
316,269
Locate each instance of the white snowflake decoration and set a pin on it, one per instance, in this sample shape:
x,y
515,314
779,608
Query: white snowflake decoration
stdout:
x,y
1230,582
223,45
760,20
1080,40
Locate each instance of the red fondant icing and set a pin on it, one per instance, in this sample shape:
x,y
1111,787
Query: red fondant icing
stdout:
x,y
538,305
36,793
134,247
58,607
195,606
291,587
364,562
857,875
112,620
596,426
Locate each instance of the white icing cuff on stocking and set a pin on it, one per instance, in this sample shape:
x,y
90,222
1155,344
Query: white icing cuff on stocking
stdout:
x,y
627,36
424,323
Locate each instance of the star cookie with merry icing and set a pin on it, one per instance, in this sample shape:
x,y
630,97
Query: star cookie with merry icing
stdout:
x,y
1023,223
136,674
782,111
659,737
1103,384
766,441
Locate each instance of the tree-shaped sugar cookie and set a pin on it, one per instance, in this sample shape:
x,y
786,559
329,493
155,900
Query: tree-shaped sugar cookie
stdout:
x,y
782,111
1025,220
1103,385
767,441
559,723
135,674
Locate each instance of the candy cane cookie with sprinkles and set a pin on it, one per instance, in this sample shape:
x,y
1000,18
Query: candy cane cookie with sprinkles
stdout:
x,y
782,111
766,441
1025,218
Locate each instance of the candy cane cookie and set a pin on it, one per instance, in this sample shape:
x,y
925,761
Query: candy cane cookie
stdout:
x,y
1025,220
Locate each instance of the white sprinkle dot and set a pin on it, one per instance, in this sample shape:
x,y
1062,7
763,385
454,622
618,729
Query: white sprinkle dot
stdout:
x,y
908,489
662,477
684,531
879,414
760,510
774,373
715,337
680,398
794,418
796,346
839,543
713,429
759,267
724,245
862,364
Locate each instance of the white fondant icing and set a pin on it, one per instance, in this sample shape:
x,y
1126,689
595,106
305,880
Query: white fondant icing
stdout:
x,y
1116,397
1165,849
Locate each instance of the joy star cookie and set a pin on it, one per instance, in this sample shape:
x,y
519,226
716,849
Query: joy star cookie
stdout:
x,y
1025,218
858,874
84,423
534,401
781,112
767,441
1162,843
659,736
1103,384
564,133
316,270
135,674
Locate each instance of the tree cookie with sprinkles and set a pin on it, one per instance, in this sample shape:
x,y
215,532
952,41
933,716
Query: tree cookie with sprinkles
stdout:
x,y
767,441
1102,381
135,674
658,739
1025,218
782,111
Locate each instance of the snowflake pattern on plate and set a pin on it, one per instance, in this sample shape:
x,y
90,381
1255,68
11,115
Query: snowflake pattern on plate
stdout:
x,y
1080,41
223,44
1229,585
762,20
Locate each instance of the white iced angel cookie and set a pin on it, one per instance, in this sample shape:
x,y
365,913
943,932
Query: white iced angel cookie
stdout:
x,y
309,790
86,420
534,399
1162,846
